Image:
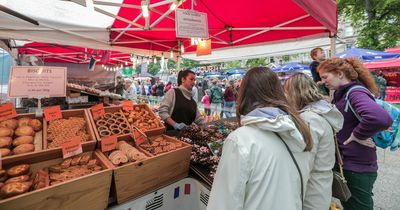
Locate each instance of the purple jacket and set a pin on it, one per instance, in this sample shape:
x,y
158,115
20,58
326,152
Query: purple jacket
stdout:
x,y
357,157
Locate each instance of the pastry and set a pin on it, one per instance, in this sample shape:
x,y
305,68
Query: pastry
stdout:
x,y
5,152
55,169
117,157
24,148
42,179
24,121
5,141
35,124
75,160
22,178
24,131
14,188
6,132
66,163
92,163
18,170
84,159
23,140
11,124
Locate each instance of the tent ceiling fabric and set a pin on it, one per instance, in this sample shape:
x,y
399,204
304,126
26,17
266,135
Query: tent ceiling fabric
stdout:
x,y
230,22
119,25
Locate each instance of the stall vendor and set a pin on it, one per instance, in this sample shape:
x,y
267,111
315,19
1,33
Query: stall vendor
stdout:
x,y
178,109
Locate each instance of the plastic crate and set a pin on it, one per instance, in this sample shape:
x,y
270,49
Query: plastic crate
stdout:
x,y
185,194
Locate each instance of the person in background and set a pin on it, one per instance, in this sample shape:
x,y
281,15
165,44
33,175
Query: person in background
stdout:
x,y
195,93
216,98
204,85
318,55
160,88
206,103
323,120
168,86
130,89
256,170
355,143
229,99
178,109
143,89
382,84
119,86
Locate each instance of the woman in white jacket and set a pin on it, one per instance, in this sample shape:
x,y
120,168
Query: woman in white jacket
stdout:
x,y
323,119
256,170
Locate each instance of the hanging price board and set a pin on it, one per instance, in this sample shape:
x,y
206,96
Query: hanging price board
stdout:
x,y
7,111
127,105
108,143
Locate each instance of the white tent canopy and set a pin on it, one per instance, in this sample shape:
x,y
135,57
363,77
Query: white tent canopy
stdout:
x,y
266,50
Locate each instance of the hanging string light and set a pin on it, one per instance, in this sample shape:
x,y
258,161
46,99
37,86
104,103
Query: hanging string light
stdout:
x,y
155,59
171,53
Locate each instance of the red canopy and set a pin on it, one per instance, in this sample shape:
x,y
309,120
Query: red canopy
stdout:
x,y
392,63
230,22
393,50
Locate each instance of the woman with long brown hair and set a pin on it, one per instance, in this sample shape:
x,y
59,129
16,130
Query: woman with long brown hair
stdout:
x,y
355,88
323,119
264,162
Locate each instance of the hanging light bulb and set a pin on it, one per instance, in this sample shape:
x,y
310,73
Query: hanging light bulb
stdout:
x,y
132,57
171,53
155,59
173,6
192,41
148,61
121,66
145,8
162,56
126,63
182,48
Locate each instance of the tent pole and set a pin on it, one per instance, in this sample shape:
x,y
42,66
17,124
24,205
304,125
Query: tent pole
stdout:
x,y
333,45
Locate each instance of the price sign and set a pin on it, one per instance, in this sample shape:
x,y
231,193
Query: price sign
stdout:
x,y
138,136
72,147
98,110
52,113
108,143
127,105
7,111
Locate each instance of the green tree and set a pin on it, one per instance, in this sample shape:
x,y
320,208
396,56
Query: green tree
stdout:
x,y
377,21
232,64
255,62
189,64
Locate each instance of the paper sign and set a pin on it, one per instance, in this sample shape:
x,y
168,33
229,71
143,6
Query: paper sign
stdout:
x,y
7,111
204,48
52,113
127,105
108,143
190,23
97,110
138,136
37,81
72,147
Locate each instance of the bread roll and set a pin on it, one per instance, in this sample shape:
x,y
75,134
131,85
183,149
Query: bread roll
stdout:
x,y
24,121
5,142
18,170
4,132
11,124
35,124
14,188
23,140
22,178
24,148
25,131
5,152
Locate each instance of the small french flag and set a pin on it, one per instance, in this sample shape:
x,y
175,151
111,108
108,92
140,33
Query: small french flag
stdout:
x,y
176,193
187,189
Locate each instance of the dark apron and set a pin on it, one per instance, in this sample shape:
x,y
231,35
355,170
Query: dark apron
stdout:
x,y
184,109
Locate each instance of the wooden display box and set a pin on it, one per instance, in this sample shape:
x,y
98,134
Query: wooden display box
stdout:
x,y
38,142
88,145
107,110
154,131
87,192
135,179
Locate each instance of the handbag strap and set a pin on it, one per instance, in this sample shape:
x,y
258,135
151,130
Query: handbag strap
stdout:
x,y
297,167
339,158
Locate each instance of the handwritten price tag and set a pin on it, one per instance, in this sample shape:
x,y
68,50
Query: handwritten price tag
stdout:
x,y
72,147
52,113
108,143
98,110
138,136
127,105
7,111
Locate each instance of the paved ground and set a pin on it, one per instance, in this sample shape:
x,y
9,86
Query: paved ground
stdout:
x,y
387,186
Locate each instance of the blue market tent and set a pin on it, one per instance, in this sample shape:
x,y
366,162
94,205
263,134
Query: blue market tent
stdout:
x,y
291,67
235,71
367,55
211,73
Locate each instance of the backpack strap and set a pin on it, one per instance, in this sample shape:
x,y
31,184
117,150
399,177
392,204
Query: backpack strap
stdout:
x,y
348,103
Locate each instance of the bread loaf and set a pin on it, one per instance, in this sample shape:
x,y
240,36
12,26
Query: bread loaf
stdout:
x,y
23,148
5,141
23,140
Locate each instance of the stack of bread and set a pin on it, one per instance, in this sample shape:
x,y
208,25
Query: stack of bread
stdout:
x,y
125,153
15,181
17,136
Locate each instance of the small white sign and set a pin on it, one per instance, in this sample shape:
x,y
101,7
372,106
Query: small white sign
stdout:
x,y
190,23
37,81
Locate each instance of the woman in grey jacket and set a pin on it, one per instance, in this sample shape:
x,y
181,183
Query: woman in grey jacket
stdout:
x,y
324,120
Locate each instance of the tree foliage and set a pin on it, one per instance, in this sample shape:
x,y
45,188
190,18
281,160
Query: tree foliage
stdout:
x,y
189,64
377,21
232,64
255,62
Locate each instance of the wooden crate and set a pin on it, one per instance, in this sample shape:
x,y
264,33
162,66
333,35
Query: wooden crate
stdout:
x,y
135,179
155,131
38,141
107,110
87,192
88,145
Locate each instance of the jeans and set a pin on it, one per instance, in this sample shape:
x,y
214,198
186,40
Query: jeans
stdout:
x,y
228,105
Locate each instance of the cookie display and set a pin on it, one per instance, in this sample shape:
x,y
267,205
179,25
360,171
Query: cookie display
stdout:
x,y
161,145
112,124
17,132
63,129
143,119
